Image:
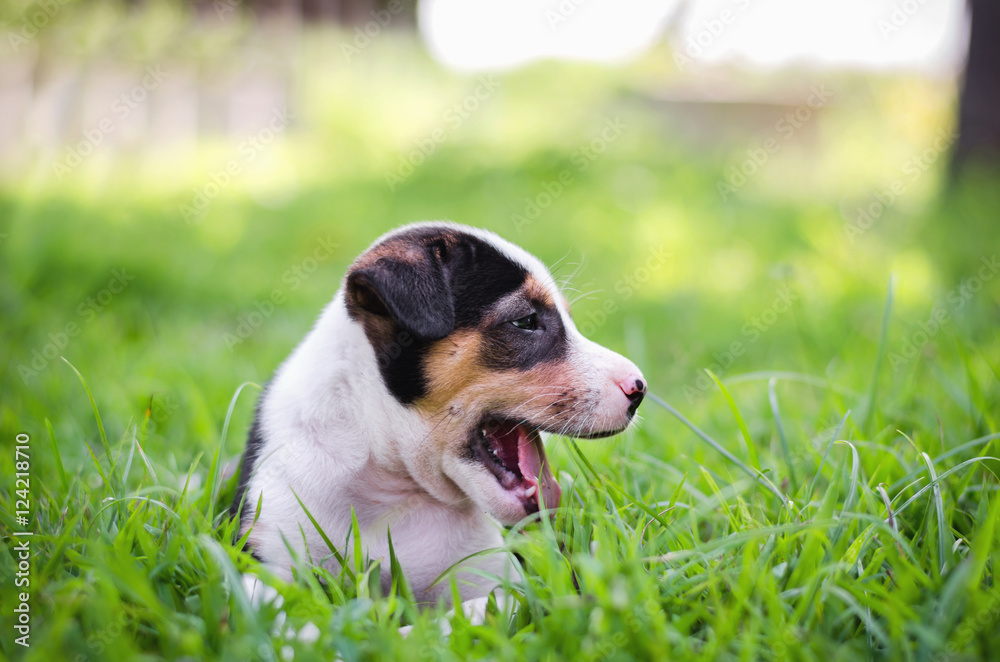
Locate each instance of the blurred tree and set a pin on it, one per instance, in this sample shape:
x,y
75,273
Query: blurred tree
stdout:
x,y
979,112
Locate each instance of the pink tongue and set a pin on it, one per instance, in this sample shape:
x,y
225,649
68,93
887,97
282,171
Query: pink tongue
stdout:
x,y
534,468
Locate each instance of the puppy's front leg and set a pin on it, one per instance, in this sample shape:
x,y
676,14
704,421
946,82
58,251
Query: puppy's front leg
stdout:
x,y
474,611
260,594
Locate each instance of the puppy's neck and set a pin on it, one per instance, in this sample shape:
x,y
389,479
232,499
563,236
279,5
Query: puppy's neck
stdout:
x,y
329,397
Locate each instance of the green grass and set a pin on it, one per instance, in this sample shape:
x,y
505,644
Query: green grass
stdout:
x,y
822,493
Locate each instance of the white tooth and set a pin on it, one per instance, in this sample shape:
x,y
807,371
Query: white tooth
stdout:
x,y
530,492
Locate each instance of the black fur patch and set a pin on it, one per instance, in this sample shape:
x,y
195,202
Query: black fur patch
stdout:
x,y
415,295
255,443
401,366
415,285
506,347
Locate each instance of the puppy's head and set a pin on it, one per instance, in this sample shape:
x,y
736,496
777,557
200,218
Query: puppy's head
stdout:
x,y
471,333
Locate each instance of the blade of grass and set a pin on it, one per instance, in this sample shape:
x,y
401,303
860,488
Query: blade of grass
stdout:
x,y
729,456
785,376
58,456
220,556
890,518
100,429
879,357
944,456
400,587
638,504
751,449
772,397
333,548
938,479
361,585
128,462
944,546
851,494
836,433
944,539
214,470
855,464
871,625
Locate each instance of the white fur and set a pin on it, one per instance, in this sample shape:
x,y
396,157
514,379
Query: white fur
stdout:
x,y
336,436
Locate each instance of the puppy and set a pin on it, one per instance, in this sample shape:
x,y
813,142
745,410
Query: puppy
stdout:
x,y
418,400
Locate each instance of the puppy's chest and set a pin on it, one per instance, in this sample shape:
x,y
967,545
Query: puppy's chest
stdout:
x,y
427,536
386,503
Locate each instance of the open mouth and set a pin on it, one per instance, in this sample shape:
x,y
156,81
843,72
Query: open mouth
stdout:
x,y
514,454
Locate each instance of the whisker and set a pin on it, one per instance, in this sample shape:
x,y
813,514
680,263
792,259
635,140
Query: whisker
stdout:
x,y
555,266
543,395
586,294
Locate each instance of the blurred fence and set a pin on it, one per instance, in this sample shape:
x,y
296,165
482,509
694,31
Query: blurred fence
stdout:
x,y
61,101
64,112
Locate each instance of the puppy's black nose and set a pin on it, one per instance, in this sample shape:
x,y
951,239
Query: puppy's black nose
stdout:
x,y
635,395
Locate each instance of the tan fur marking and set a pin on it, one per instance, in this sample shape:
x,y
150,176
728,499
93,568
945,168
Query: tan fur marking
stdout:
x,y
405,249
451,365
535,291
461,390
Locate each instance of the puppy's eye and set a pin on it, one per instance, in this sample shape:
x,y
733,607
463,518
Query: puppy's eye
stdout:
x,y
529,323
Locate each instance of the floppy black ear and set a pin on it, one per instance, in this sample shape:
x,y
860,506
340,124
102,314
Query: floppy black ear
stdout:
x,y
416,295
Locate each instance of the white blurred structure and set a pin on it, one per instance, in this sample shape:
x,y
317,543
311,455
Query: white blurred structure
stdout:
x,y
499,34
928,36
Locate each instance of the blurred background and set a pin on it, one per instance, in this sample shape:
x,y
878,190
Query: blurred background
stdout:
x,y
723,184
